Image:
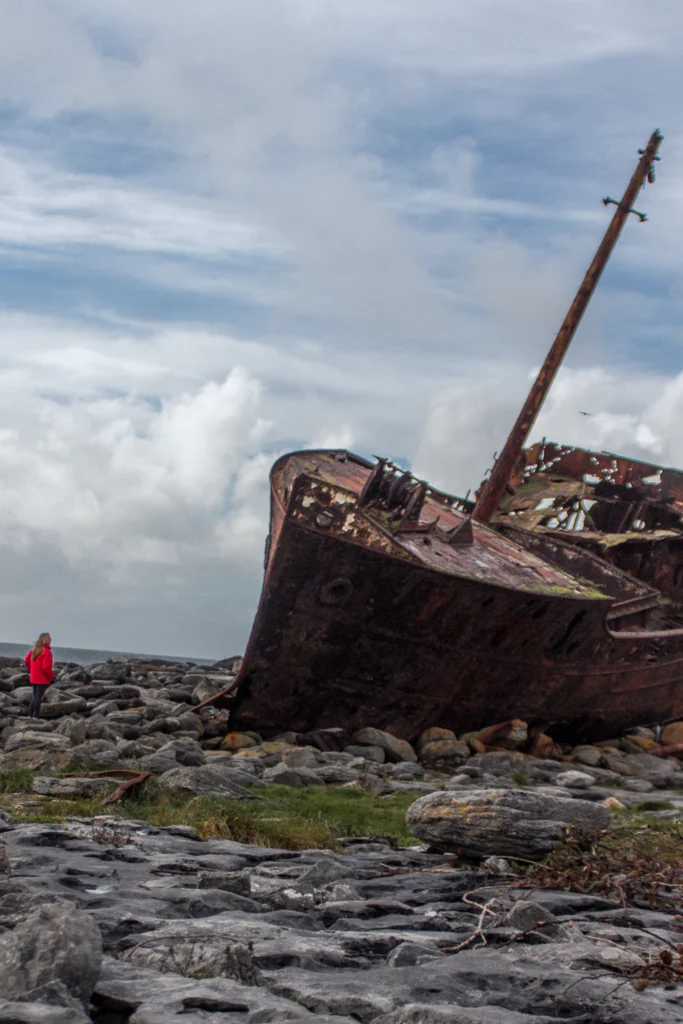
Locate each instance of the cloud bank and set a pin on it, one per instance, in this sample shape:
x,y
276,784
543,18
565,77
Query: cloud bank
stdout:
x,y
230,231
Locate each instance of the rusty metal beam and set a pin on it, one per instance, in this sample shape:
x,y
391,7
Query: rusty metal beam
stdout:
x,y
494,488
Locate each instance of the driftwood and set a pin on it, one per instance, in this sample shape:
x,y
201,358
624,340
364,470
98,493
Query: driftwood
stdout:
x,y
123,786
131,778
210,701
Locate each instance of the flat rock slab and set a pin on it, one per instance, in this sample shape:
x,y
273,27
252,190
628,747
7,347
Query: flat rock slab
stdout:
x,y
73,788
362,935
499,822
40,1013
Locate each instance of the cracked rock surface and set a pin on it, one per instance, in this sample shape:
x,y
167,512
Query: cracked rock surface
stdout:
x,y
213,930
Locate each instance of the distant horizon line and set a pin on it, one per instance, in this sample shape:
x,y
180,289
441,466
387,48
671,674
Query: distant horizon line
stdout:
x,y
110,651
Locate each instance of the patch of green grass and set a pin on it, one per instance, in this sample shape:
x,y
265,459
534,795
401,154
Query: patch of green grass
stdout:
x,y
653,805
280,816
17,780
521,780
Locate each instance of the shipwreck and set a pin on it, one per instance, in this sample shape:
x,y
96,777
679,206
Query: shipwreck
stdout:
x,y
554,596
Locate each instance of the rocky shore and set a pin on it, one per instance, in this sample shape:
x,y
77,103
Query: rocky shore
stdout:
x,y
110,919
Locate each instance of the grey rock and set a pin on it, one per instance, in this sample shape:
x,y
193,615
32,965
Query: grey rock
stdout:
x,y
574,780
497,865
585,956
58,709
444,755
72,787
371,753
157,762
405,771
108,671
325,871
499,822
162,723
201,957
54,993
335,774
205,688
23,692
394,749
638,785
30,738
94,753
57,942
282,775
73,729
303,757
588,755
40,1013
237,882
409,954
97,728
527,916
430,1013
157,998
205,780
341,892
458,781
7,820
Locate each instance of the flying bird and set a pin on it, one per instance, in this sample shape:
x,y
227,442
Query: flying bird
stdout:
x,y
585,413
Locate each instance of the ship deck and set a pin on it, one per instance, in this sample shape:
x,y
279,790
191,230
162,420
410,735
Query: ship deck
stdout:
x,y
490,558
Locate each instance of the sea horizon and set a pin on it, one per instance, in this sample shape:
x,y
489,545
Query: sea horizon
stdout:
x,y
90,656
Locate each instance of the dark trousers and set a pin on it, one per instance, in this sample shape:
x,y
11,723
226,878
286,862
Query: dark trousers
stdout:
x,y
36,701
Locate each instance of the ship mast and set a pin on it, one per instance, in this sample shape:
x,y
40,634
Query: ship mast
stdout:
x,y
494,488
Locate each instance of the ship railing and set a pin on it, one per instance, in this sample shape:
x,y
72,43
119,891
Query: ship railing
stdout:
x,y
643,634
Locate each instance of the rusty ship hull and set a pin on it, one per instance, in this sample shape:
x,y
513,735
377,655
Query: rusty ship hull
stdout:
x,y
555,597
384,603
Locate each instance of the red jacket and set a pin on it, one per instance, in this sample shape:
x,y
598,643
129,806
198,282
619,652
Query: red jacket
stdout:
x,y
41,669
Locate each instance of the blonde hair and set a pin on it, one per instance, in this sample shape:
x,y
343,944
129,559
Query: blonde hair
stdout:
x,y
39,645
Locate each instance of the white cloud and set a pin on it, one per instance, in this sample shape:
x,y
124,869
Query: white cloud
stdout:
x,y
402,196
629,414
117,482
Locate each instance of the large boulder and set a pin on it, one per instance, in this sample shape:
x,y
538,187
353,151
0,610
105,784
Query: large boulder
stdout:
x,y
511,735
591,756
60,708
208,780
36,751
499,822
540,745
375,754
56,942
28,738
672,734
73,729
283,775
42,1013
433,733
394,749
95,754
444,755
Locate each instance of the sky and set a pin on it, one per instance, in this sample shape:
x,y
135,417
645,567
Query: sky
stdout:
x,y
231,230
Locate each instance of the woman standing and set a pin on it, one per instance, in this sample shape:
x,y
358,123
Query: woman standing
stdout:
x,y
39,663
